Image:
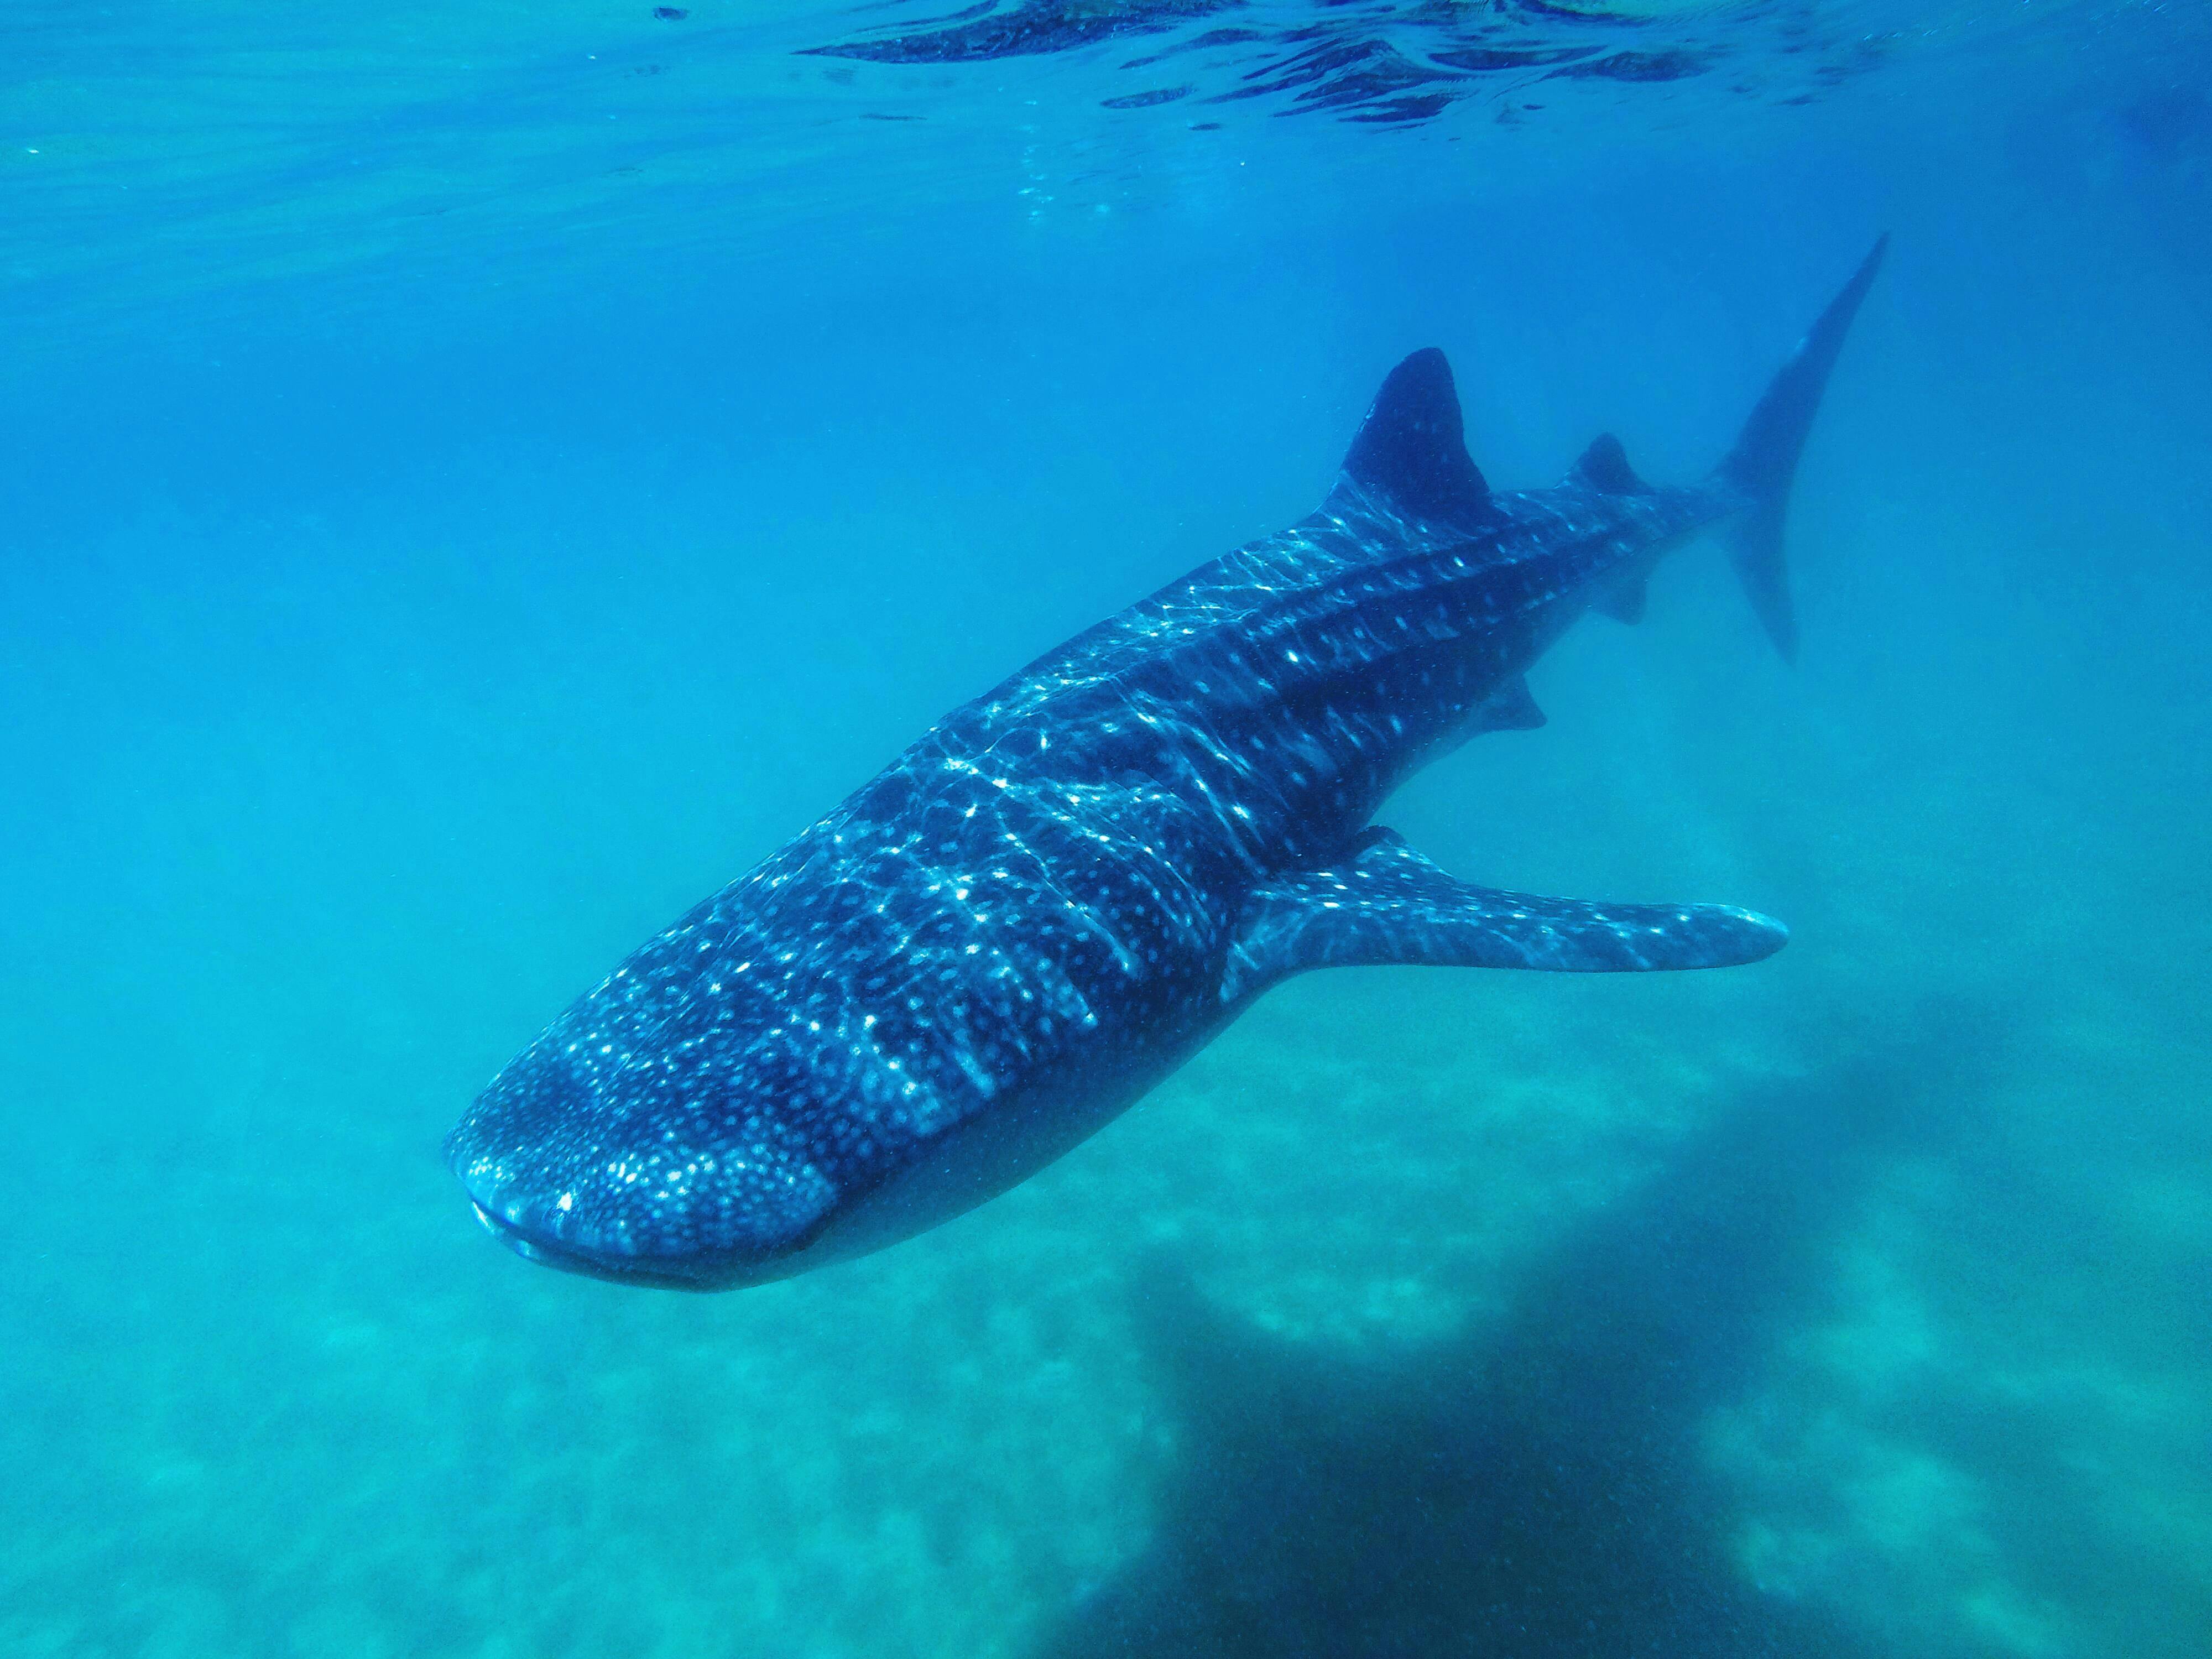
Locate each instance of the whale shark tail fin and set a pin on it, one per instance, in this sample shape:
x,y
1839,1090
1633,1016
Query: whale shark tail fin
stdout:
x,y
1765,459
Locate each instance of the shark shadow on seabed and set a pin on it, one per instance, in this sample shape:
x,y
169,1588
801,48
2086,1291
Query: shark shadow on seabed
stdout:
x,y
1537,1488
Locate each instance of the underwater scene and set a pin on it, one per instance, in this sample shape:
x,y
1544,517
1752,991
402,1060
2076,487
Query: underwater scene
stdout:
x,y
481,479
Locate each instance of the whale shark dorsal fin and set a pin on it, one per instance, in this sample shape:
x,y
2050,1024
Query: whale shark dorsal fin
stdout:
x,y
1385,903
1604,467
1411,452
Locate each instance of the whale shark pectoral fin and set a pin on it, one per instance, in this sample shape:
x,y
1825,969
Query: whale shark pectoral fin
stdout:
x,y
1387,904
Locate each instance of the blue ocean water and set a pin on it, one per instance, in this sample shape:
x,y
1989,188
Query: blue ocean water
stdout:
x,y
479,476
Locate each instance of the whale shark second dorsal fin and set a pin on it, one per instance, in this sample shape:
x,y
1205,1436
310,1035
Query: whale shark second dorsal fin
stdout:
x,y
1604,467
1411,453
1384,904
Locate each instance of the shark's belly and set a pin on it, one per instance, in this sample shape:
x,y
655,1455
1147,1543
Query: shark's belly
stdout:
x,y
1028,1125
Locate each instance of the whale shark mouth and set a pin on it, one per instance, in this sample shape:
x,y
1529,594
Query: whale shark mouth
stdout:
x,y
551,1252
566,1169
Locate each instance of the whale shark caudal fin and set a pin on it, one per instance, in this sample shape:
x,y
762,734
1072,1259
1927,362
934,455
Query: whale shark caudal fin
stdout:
x,y
1411,454
1765,458
1386,903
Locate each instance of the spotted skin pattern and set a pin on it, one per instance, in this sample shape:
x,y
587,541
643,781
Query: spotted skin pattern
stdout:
x,y
1067,886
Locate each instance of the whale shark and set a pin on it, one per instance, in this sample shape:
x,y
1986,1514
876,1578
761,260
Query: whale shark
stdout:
x,y
1066,887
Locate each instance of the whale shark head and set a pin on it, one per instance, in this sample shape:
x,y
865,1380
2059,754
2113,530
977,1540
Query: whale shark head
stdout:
x,y
640,1165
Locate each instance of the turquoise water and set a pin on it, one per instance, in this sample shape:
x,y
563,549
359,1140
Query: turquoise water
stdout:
x,y
480,476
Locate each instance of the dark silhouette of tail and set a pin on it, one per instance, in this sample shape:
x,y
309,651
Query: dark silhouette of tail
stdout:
x,y
1765,458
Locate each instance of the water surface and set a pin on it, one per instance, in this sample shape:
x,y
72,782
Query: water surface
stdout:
x,y
480,477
